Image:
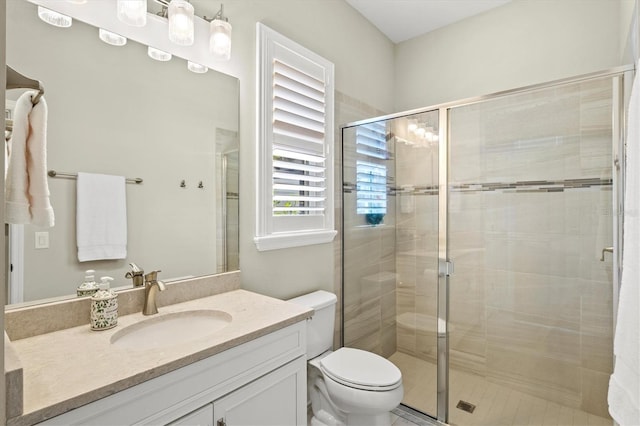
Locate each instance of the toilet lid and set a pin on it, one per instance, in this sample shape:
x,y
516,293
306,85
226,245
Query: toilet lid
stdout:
x,y
361,369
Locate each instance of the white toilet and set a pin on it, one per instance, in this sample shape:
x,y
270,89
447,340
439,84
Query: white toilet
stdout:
x,y
348,386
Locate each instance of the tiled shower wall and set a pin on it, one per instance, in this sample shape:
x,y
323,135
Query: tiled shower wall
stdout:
x,y
363,305
369,272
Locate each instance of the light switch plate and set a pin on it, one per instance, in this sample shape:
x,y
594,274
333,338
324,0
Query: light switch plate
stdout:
x,y
42,240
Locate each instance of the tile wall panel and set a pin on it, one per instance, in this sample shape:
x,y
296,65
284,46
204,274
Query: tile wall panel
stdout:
x,y
368,262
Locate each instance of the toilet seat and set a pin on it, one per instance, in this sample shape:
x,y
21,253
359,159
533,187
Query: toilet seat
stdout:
x,y
361,370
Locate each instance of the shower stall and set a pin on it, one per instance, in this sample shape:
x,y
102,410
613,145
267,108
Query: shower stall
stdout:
x,y
480,250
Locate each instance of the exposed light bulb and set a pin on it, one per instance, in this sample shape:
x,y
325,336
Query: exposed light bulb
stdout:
x,y
158,55
54,18
133,12
111,38
197,68
181,29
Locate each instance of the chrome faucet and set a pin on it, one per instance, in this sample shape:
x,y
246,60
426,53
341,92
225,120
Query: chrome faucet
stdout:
x,y
151,288
136,274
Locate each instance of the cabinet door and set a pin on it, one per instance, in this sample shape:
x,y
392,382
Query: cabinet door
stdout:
x,y
201,417
276,399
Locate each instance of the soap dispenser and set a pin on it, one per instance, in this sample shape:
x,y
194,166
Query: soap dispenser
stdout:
x,y
104,306
89,286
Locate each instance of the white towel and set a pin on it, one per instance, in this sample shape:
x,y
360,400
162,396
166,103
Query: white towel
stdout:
x,y
101,217
27,188
624,384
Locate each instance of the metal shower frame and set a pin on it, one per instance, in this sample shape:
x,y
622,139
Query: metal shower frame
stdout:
x,y
621,83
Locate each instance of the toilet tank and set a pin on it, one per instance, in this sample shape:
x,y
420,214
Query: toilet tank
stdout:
x,y
320,326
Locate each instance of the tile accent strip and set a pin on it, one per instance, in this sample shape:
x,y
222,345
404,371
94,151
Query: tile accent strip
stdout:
x,y
520,186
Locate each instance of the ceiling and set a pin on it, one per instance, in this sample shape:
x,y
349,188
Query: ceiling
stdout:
x,y
401,20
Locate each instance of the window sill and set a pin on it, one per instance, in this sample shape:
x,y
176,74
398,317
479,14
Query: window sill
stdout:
x,y
298,239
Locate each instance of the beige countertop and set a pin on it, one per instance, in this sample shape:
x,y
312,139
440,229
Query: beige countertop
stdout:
x,y
66,369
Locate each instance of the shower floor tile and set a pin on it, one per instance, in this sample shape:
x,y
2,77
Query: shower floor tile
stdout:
x,y
495,404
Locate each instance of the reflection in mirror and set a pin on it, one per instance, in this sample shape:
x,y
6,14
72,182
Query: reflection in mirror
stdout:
x,y
113,110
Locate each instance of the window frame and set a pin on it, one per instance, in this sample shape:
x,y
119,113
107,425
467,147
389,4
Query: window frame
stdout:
x,y
277,232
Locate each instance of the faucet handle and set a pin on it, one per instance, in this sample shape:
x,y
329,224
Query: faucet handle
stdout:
x,y
152,276
135,269
135,274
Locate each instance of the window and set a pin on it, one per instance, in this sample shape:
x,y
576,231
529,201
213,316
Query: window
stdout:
x,y
371,188
371,175
295,144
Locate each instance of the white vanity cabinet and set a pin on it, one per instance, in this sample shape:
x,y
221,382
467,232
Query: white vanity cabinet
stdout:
x,y
261,382
271,400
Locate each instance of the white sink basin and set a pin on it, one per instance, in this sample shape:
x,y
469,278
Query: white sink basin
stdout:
x,y
171,329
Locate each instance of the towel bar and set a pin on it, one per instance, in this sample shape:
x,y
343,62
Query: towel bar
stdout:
x,y
53,173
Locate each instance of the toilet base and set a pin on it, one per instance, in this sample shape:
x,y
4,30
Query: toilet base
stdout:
x,y
326,413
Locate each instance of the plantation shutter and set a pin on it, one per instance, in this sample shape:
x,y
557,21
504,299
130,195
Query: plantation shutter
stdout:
x,y
298,136
295,176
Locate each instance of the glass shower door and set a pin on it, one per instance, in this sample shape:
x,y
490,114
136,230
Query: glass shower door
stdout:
x,y
390,243
529,212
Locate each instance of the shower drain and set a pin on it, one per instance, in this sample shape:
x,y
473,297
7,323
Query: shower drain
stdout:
x,y
466,406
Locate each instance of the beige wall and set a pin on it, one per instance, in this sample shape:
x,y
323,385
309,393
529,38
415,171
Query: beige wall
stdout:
x,y
629,31
521,43
363,60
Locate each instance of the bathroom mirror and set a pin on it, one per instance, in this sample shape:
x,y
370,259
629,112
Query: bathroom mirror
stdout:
x,y
114,110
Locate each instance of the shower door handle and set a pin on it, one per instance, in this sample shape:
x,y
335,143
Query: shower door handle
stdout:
x,y
445,267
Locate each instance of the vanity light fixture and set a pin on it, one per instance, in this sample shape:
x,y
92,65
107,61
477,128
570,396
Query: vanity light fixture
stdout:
x,y
158,55
133,12
111,38
54,18
181,17
197,68
220,36
181,28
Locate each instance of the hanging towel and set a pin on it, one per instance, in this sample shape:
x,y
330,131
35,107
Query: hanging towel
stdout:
x,y
101,217
26,187
624,384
